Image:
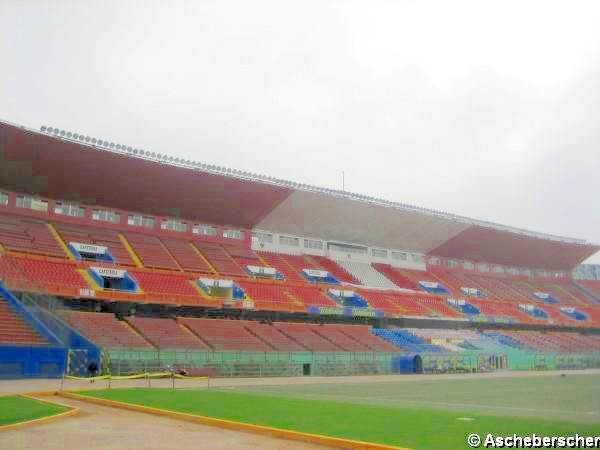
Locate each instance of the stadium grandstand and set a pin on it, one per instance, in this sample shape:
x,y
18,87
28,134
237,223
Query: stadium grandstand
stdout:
x,y
248,275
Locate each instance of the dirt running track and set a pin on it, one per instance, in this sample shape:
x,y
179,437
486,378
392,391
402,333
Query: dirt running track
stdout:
x,y
103,428
22,386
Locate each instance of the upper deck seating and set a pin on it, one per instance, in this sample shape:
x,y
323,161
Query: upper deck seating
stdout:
x,y
271,297
591,285
310,296
497,288
219,259
243,256
170,288
186,256
410,305
334,269
50,274
28,236
380,300
96,236
367,275
277,261
396,277
151,251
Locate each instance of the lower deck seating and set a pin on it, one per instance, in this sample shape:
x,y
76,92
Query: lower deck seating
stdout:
x,y
555,341
224,335
105,330
335,335
304,335
166,334
269,333
363,334
407,341
14,330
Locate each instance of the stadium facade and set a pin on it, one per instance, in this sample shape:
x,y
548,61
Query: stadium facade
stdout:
x,y
134,259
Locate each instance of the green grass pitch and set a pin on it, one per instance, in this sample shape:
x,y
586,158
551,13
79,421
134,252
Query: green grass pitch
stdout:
x,y
14,409
421,415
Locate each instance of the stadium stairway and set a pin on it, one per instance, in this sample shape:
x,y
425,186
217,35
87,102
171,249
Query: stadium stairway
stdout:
x,y
367,275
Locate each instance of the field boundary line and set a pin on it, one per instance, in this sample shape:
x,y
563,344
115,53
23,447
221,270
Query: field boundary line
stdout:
x,y
238,426
69,413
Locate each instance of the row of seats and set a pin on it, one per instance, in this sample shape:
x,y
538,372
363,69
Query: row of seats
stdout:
x,y
97,236
14,330
220,259
151,251
554,341
105,330
65,278
278,261
186,333
28,236
166,333
187,256
224,335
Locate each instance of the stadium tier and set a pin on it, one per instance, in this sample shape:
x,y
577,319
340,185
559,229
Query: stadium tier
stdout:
x,y
166,270
211,262
105,329
14,330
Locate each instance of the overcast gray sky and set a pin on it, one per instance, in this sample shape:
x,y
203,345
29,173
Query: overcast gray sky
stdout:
x,y
486,109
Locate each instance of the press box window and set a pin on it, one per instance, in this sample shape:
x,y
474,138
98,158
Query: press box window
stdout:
x,y
379,253
233,234
136,220
173,225
399,255
67,209
311,243
106,216
263,238
24,201
3,198
204,230
418,258
290,241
